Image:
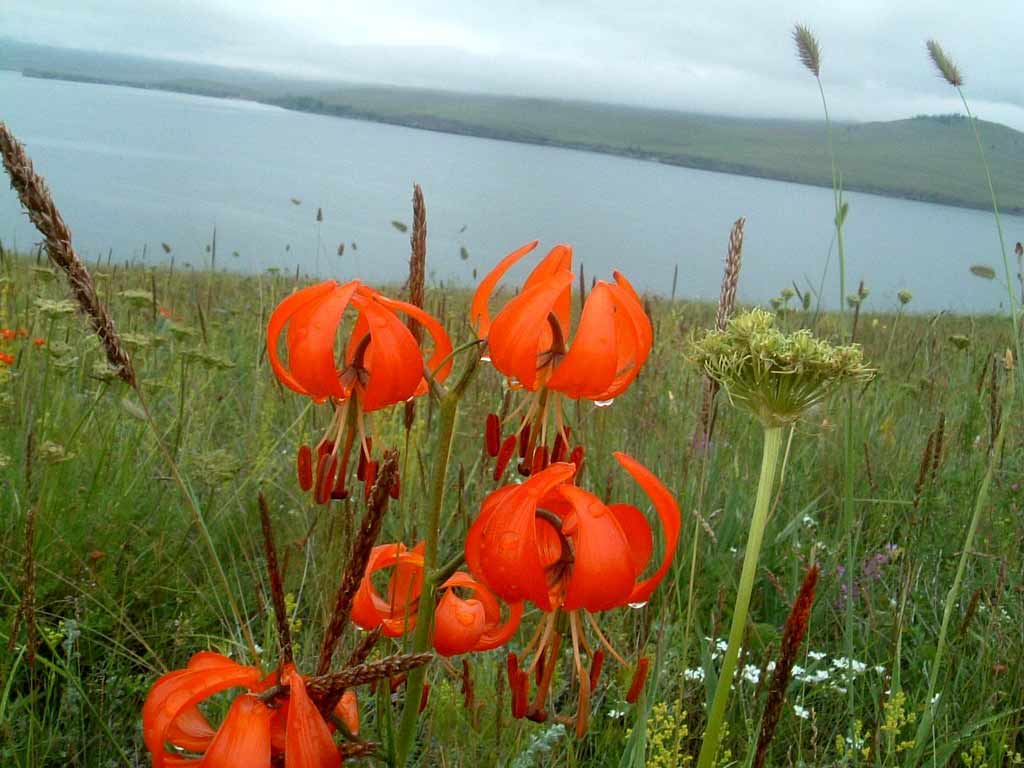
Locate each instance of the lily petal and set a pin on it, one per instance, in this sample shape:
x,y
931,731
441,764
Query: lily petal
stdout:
x,y
591,363
437,333
668,512
179,691
308,741
392,358
521,329
603,574
479,314
634,338
280,317
243,738
310,339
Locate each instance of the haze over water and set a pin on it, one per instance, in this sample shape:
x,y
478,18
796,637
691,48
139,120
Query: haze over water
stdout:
x,y
132,169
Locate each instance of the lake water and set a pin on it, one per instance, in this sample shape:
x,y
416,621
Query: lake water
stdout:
x,y
132,169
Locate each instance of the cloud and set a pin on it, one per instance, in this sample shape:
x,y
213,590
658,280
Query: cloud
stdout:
x,y
732,57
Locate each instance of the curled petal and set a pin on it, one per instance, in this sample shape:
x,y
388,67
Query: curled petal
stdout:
x,y
521,330
458,624
437,333
243,738
638,533
603,574
312,332
668,512
392,358
190,730
502,547
280,317
459,628
395,614
307,742
558,261
633,338
478,312
348,711
591,363
474,538
179,691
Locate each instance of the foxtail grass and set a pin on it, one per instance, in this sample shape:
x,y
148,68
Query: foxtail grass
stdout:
x,y
949,72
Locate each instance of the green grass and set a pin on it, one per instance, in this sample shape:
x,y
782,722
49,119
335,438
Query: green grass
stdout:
x,y
125,589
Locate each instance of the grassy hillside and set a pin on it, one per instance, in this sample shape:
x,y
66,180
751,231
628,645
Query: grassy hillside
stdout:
x,y
924,158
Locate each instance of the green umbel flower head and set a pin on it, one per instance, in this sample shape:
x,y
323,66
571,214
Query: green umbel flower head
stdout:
x,y
776,376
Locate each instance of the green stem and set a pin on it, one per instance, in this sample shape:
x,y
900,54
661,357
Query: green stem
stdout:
x,y
713,732
837,194
850,526
954,591
999,228
447,418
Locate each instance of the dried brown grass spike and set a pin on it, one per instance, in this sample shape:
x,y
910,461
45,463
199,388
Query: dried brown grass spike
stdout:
x,y
43,213
792,636
417,276
807,48
731,277
362,546
726,304
328,688
947,68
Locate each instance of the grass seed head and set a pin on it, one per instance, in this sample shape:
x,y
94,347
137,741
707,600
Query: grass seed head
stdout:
x,y
947,69
807,48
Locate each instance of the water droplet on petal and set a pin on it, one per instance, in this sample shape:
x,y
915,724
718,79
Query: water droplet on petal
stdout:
x,y
604,403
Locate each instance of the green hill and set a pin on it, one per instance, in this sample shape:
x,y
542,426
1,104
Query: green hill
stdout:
x,y
930,158
923,158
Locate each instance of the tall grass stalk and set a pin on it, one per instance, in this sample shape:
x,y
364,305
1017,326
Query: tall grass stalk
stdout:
x,y
951,74
809,52
713,732
995,458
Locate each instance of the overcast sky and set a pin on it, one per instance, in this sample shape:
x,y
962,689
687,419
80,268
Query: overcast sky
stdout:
x,y
720,56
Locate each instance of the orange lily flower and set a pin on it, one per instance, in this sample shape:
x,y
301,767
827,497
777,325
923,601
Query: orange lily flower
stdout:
x,y
461,624
529,342
565,550
381,365
251,733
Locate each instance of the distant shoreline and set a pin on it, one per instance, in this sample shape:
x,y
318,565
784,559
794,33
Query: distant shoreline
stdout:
x,y
314,105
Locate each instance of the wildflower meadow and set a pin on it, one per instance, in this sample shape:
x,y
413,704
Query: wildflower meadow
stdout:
x,y
280,519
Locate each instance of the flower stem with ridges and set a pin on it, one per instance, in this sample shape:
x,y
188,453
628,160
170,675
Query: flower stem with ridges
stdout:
x,y
713,731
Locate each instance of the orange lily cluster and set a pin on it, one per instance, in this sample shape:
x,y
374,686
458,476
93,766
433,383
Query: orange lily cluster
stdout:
x,y
381,365
529,342
257,729
463,623
543,540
